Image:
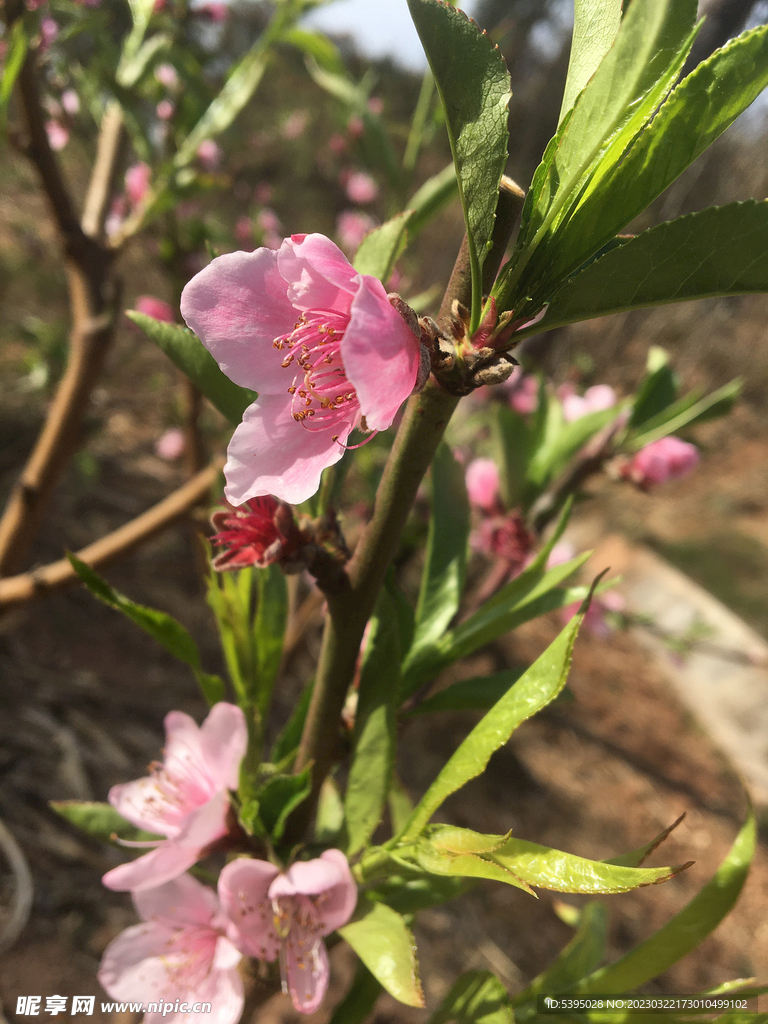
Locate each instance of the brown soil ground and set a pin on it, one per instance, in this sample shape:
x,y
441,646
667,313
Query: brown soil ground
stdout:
x,y
84,693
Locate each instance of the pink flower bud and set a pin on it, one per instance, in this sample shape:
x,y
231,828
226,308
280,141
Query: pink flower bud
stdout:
x,y
165,110
669,458
70,101
361,188
482,479
209,154
594,399
137,179
171,444
58,136
167,76
155,308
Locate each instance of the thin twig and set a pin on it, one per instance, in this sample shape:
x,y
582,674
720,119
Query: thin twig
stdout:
x,y
17,590
23,889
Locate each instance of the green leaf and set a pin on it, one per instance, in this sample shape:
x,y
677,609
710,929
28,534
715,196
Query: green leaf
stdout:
x,y
583,954
636,857
164,628
473,84
719,251
477,997
16,53
99,820
561,446
594,30
686,930
476,694
280,795
685,413
442,581
694,115
375,736
188,353
408,889
360,1000
329,819
269,630
317,46
635,75
381,247
657,391
400,804
288,739
513,449
384,943
131,64
539,685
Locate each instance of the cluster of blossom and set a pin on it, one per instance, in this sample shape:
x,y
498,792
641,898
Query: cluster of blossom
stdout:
x,y
192,939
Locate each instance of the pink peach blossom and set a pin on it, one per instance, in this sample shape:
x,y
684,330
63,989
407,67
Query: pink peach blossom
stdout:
x,y
171,444
179,956
483,484
260,532
167,76
669,458
524,393
351,227
322,345
287,913
184,799
361,188
137,179
58,136
156,308
594,399
70,101
210,154
165,110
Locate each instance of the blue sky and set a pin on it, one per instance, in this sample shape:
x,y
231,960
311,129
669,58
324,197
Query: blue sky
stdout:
x,y
381,28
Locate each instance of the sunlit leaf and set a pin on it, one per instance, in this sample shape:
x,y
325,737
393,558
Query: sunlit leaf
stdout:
x,y
476,694
595,25
381,247
190,355
99,820
477,997
385,944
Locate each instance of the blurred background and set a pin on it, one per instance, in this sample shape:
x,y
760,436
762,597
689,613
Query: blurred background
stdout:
x,y
84,693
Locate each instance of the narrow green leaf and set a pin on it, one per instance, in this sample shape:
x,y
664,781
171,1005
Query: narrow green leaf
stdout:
x,y
686,413
540,684
269,630
442,581
400,804
129,68
375,737
18,43
289,738
384,943
547,868
318,46
163,627
99,820
465,865
657,391
719,251
279,797
513,447
694,115
595,25
556,451
329,819
473,84
407,888
380,248
686,930
360,1000
477,694
636,857
188,353
583,954
477,997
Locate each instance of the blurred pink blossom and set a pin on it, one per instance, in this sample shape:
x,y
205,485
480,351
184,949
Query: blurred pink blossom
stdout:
x,y
70,101
137,179
505,537
263,193
483,484
165,110
58,136
167,76
213,11
209,154
116,216
361,188
171,444
321,343
351,227
185,798
294,125
595,399
156,308
355,127
49,30
524,393
287,914
268,220
601,609
337,143
669,458
180,955
244,231
376,105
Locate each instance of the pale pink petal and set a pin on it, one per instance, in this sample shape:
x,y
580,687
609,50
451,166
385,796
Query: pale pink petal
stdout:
x,y
380,353
227,955
483,483
237,306
183,758
318,273
327,878
160,865
223,989
143,803
224,740
131,967
183,901
307,970
243,891
270,453
341,900
305,878
206,824
599,397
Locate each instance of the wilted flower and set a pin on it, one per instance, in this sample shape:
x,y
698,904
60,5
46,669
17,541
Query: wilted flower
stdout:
x,y
185,798
322,345
180,956
669,458
209,154
137,179
151,306
361,188
260,532
287,914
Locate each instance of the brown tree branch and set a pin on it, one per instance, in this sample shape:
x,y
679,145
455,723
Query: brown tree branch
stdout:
x,y
17,590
